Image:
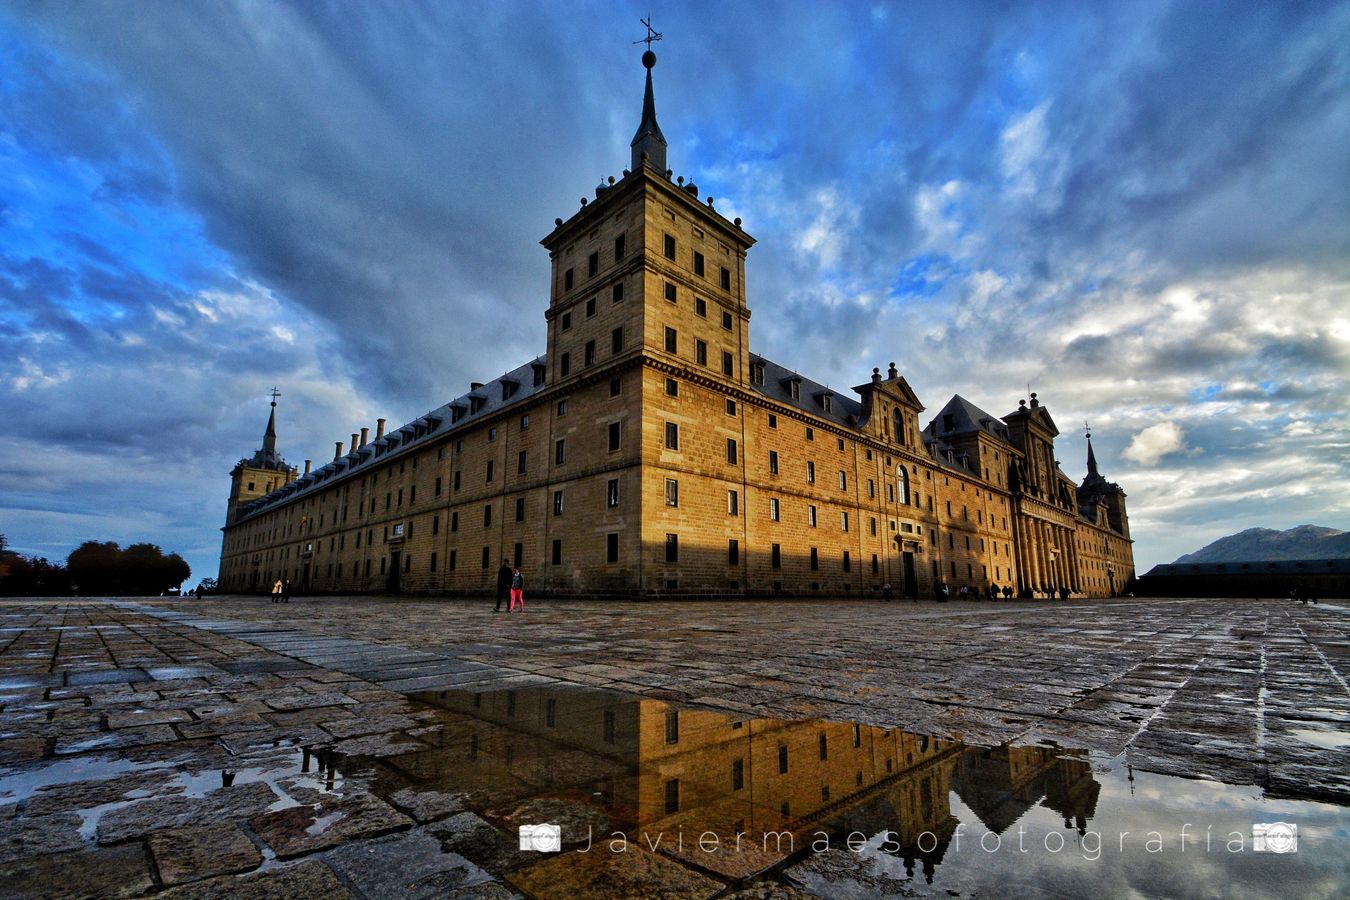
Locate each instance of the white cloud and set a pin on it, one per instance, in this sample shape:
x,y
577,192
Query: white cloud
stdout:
x,y
1154,442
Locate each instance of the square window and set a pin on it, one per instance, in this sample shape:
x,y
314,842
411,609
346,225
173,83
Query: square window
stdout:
x,y
612,493
728,363
590,307
774,510
726,279
590,353
520,509
731,451
776,557
672,339
616,292
700,352
525,422
672,492
671,293
569,277
614,431
616,340
773,421
562,407
726,320
672,548
557,503
698,263
565,364
560,451
733,503
593,265
733,552
615,387
672,436
773,462
731,407
521,459
811,516
557,553
700,307
810,433
612,547
566,320
619,247
668,245
672,387
810,473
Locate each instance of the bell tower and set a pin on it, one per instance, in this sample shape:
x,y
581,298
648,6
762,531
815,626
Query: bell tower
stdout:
x,y
262,473
646,268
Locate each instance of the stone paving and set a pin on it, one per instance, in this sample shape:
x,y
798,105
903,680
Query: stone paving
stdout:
x,y
192,748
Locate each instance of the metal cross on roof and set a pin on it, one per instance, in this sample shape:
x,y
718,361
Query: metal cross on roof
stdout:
x,y
652,34
275,394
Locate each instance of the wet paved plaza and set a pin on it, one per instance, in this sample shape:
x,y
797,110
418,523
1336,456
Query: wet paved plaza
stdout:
x,y
389,748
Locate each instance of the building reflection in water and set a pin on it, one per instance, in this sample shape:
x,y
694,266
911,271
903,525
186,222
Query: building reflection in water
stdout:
x,y
657,771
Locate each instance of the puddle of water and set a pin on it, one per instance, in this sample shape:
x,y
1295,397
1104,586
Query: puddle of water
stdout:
x,y
844,809
19,783
1329,740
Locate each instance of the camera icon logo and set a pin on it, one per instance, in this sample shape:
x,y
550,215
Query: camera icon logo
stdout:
x,y
1275,837
541,838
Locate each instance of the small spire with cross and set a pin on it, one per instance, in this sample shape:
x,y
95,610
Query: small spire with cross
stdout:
x,y
275,394
649,144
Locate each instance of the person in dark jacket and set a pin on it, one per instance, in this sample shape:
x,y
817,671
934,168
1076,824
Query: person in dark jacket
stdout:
x,y
503,585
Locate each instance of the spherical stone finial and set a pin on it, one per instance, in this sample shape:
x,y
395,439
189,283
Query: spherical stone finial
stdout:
x,y
738,222
649,59
557,223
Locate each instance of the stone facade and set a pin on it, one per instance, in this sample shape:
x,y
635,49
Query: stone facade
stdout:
x,y
650,452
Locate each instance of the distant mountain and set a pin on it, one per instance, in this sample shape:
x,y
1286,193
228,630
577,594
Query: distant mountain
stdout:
x,y
1269,545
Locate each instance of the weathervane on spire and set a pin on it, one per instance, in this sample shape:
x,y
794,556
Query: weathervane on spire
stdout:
x,y
275,394
1087,428
652,34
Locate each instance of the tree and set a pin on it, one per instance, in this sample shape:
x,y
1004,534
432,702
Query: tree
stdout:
x,y
30,576
96,568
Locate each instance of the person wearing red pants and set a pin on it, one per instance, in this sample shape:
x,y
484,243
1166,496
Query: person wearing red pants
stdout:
x,y
517,590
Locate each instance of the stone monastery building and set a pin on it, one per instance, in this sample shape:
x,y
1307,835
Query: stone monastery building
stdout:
x,y
650,452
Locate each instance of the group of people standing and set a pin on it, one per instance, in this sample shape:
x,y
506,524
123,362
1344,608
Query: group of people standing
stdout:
x,y
510,584
281,591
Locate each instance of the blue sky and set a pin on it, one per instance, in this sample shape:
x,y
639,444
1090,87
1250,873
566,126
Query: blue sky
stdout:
x,y
1140,209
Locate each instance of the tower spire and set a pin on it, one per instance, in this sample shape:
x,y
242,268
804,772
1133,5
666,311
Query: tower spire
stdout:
x,y
1092,457
649,141
270,435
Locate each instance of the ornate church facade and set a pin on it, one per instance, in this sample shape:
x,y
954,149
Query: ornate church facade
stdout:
x,y
650,452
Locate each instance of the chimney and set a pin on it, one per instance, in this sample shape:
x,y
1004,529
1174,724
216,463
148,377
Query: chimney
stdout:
x,y
365,436
308,463
353,443
475,385
337,454
379,429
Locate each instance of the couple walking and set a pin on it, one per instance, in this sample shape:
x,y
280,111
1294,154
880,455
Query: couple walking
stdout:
x,y
510,583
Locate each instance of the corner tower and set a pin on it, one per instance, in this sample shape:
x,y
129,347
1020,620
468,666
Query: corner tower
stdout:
x,y
257,476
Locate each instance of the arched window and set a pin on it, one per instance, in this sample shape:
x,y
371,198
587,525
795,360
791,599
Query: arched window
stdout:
x,y
902,484
898,426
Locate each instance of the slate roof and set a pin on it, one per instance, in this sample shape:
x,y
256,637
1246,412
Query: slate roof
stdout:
x,y
844,410
966,418
509,390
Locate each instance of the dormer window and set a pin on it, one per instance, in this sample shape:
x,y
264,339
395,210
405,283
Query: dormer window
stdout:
x,y
826,401
538,373
794,388
757,372
476,404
